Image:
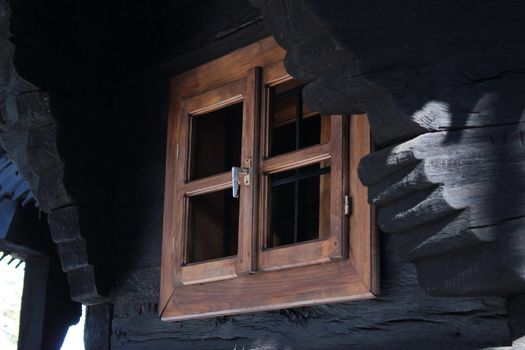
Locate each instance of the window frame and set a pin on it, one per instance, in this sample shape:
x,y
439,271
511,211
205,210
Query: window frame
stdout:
x,y
241,285
242,90
313,251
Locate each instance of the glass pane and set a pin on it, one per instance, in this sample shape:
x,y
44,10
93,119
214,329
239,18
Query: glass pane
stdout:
x,y
213,226
292,124
299,205
216,141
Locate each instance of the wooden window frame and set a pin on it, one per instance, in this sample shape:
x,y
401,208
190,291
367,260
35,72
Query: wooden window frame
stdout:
x,y
257,278
242,90
335,150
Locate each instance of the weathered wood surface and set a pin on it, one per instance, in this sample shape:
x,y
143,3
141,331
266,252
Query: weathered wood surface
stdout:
x,y
412,67
47,310
63,149
458,204
33,140
455,198
97,327
402,317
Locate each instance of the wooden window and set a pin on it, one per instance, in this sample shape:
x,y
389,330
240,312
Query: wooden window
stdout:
x,y
298,232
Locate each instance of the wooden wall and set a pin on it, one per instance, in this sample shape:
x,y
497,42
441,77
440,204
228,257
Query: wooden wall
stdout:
x,y
403,317
115,60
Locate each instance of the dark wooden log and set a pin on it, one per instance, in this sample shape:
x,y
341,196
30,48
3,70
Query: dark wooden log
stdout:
x,y
33,314
83,252
455,200
30,137
398,70
47,311
418,70
517,319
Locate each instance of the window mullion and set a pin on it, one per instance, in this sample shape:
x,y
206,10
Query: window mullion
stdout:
x,y
247,253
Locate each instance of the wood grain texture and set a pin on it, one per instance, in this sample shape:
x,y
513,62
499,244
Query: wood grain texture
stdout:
x,y
460,78
208,271
32,138
183,296
214,99
449,200
402,316
207,185
228,68
177,229
362,218
335,245
296,159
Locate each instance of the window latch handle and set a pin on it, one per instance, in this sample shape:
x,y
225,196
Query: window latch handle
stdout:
x,y
235,179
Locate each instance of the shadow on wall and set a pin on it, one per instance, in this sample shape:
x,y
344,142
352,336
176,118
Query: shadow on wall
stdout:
x,y
453,73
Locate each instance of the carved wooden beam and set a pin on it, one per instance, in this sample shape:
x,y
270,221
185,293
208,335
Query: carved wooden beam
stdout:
x,y
29,135
452,73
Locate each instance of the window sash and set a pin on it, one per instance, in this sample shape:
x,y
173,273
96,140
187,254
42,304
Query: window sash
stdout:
x,y
343,279
316,251
243,90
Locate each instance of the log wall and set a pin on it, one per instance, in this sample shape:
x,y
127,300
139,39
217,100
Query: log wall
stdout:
x,y
403,316
442,93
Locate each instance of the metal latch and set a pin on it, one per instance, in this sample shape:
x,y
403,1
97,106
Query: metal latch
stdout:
x,y
235,177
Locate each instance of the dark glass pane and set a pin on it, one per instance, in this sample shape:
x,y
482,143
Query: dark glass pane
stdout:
x,y
213,226
291,128
216,141
299,205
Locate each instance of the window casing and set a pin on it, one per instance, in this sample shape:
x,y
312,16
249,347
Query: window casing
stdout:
x,y
257,252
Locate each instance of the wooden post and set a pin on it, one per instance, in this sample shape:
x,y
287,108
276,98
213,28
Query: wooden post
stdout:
x,y
34,298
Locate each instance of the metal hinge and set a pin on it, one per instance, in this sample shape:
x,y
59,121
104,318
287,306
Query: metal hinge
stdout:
x,y
348,205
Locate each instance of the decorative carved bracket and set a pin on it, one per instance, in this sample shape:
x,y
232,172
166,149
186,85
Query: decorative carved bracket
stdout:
x,y
29,135
454,196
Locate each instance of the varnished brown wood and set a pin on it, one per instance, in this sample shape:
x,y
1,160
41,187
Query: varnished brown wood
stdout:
x,y
275,74
324,184
215,99
248,193
298,254
322,250
219,287
338,186
207,185
363,245
208,101
310,285
170,219
209,271
296,159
